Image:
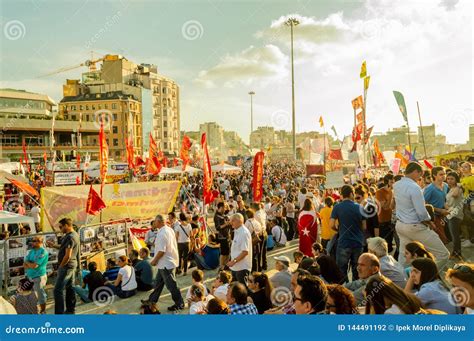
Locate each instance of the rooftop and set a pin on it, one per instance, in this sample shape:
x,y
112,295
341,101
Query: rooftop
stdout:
x,y
23,94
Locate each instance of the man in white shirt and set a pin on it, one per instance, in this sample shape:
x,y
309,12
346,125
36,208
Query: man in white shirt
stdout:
x,y
183,236
35,214
166,259
261,217
241,250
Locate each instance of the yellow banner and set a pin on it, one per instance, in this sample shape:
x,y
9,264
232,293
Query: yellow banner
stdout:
x,y
124,201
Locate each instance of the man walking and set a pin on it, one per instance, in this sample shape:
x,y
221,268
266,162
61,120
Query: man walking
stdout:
x,y
68,261
413,220
166,259
241,250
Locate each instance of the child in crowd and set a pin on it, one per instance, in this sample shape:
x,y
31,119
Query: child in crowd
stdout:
x,y
25,300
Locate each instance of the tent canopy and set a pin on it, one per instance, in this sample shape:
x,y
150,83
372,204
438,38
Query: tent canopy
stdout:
x,y
225,168
4,175
166,170
188,169
13,218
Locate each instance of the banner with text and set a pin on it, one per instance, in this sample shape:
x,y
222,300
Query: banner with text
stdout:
x,y
124,201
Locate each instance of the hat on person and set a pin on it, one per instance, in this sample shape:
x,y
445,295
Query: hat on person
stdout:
x,y
284,259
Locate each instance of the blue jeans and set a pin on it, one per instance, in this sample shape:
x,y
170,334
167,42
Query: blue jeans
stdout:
x,y
166,277
65,280
83,293
39,285
346,255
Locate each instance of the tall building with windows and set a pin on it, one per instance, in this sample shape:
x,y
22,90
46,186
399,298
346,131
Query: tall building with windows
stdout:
x,y
26,118
144,102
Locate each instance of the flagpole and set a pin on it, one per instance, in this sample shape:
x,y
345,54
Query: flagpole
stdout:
x,y
408,134
324,150
421,128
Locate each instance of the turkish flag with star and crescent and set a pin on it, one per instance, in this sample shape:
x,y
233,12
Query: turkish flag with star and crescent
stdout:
x,y
308,231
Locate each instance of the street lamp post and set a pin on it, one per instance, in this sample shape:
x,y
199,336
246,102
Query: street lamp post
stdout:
x,y
251,93
292,22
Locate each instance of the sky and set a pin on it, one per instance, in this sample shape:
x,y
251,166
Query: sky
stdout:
x,y
218,51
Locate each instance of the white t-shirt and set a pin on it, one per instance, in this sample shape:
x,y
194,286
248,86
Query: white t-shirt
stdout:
x,y
261,217
279,235
254,226
221,292
197,307
183,232
242,242
150,236
129,281
35,214
166,242
301,199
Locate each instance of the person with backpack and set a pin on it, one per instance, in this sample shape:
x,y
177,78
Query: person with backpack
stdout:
x,y
277,232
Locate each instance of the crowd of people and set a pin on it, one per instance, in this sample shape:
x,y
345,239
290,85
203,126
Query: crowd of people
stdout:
x,y
376,245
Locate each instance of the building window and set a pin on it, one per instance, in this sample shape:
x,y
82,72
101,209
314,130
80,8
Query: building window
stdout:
x,y
114,117
115,142
99,106
73,117
73,107
106,106
117,154
87,106
165,134
165,124
165,145
80,107
87,117
93,107
115,130
114,106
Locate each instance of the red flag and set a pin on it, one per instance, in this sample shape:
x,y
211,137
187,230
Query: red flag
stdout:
x,y
129,149
207,194
427,164
78,161
139,161
356,136
94,202
378,155
25,155
45,158
103,154
153,152
367,134
184,153
153,166
257,183
165,161
335,154
175,162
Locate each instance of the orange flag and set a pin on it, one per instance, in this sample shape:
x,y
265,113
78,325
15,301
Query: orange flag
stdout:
x,y
184,153
24,187
358,102
103,154
207,194
153,152
129,149
153,166
94,202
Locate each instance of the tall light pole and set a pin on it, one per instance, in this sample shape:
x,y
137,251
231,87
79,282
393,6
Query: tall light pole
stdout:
x,y
251,93
292,22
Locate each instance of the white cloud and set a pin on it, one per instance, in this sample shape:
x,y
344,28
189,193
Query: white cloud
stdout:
x,y
421,48
262,64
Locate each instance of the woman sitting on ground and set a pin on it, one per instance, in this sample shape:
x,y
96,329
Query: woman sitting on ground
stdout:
x,y
329,271
217,306
385,297
126,284
340,300
430,289
260,291
414,250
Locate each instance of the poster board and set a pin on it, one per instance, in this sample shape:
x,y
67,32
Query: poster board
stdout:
x,y
334,179
18,248
102,237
